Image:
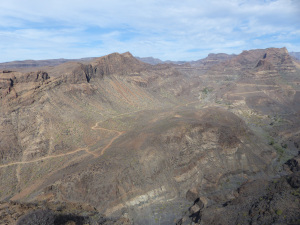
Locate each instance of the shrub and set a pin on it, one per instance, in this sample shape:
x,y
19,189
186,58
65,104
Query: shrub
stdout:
x,y
38,217
278,212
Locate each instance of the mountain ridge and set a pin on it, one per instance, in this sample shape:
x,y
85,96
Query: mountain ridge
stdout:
x,y
124,136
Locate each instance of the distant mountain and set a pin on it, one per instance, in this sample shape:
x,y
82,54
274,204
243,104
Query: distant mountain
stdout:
x,y
212,59
295,55
247,60
39,63
55,62
155,61
150,60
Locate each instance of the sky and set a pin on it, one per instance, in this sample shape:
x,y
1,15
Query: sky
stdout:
x,y
164,29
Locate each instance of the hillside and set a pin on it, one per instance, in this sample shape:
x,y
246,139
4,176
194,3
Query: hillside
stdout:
x,y
132,142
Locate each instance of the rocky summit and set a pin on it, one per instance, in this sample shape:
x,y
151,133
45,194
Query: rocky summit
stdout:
x,y
114,140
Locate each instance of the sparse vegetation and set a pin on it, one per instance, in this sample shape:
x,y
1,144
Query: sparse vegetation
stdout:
x,y
279,212
175,132
207,90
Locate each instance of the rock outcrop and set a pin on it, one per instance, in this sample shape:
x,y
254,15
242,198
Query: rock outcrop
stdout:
x,y
260,201
249,60
121,64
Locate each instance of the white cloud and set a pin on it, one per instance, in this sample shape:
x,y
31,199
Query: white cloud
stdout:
x,y
165,29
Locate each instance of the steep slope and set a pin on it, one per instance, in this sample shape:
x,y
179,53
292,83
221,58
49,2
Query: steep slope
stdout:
x,y
48,116
163,155
257,201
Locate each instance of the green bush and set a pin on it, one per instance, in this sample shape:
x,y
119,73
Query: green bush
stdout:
x,y
206,90
279,212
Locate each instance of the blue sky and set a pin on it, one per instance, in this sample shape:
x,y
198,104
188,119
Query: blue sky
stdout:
x,y
165,29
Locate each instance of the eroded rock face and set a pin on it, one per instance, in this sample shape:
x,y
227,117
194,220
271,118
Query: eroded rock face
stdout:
x,y
13,82
258,201
80,74
271,58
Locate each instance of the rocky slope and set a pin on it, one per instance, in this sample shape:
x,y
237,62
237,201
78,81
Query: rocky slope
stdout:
x,y
258,201
141,140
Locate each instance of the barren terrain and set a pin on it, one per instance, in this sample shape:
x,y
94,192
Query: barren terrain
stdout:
x,y
139,143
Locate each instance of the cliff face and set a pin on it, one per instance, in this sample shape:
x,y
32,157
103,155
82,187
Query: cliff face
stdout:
x,y
248,60
10,80
113,64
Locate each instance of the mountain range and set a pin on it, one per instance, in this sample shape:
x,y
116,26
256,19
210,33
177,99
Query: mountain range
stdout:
x,y
117,140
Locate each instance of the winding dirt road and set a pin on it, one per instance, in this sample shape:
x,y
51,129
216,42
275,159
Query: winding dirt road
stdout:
x,y
95,127
44,158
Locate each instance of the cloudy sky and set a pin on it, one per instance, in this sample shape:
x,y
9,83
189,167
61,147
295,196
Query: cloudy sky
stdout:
x,y
166,29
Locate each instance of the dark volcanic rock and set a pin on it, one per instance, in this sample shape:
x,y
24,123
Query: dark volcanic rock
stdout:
x,y
55,213
45,217
294,179
257,202
294,164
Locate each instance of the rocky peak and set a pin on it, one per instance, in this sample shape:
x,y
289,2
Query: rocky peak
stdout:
x,y
275,59
116,63
112,64
127,54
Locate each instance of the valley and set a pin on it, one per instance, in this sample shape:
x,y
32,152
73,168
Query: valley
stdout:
x,y
114,140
